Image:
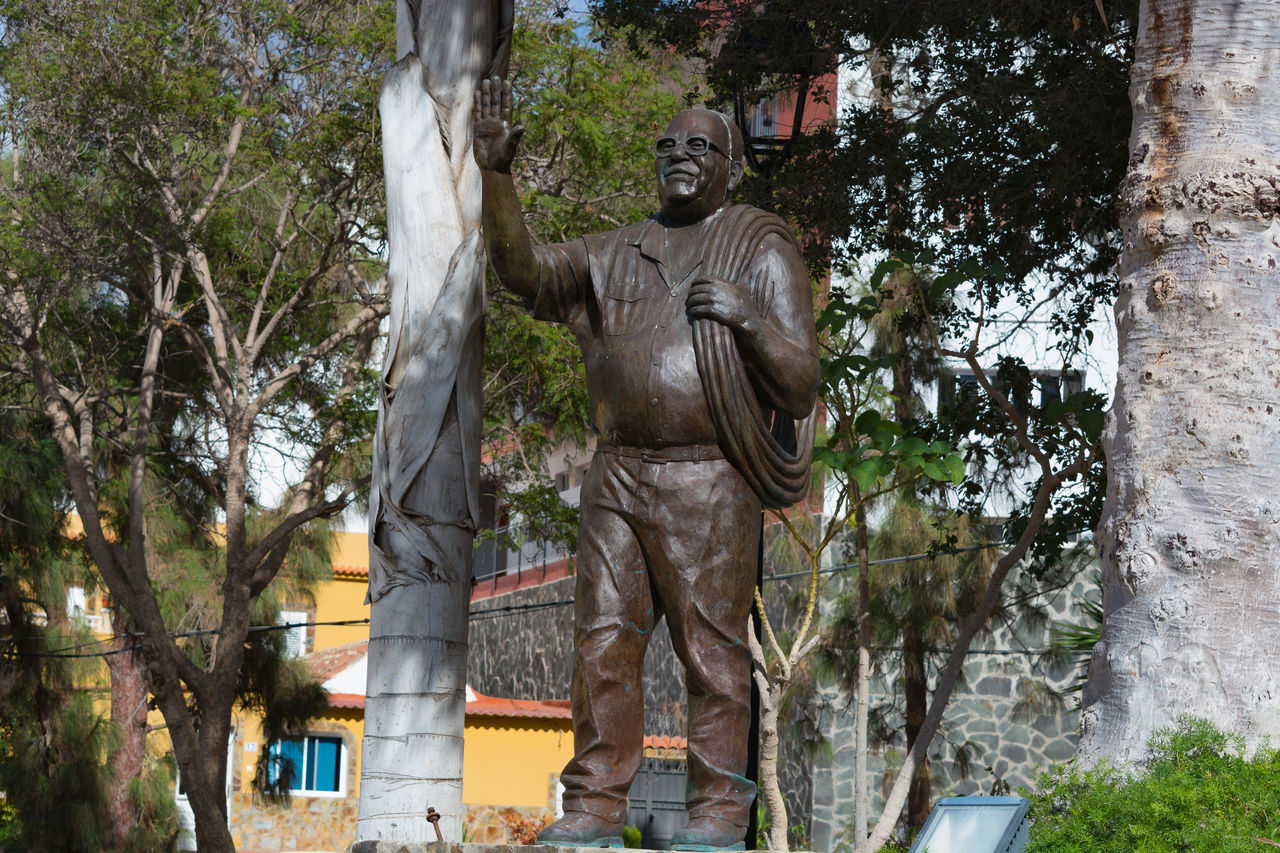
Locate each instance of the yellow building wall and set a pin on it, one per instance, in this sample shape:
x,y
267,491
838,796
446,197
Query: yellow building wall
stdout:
x,y
507,762
342,598
510,762
306,822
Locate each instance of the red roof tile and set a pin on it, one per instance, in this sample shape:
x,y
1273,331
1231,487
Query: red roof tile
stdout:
x,y
346,700
665,742
326,663
484,706
492,706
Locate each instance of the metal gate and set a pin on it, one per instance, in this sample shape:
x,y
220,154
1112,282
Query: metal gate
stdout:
x,y
657,802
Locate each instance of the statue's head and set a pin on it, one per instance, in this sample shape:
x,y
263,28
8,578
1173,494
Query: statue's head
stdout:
x,y
699,160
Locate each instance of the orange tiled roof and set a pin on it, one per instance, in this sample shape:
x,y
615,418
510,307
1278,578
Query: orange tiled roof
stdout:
x,y
346,700
492,706
326,663
483,706
350,570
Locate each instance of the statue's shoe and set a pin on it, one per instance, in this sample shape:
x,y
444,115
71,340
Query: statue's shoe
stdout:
x,y
580,829
704,834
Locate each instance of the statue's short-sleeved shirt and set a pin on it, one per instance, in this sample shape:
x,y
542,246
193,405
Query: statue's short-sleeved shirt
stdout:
x,y
623,294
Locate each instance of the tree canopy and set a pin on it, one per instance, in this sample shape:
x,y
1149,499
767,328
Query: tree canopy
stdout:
x,y
991,130
189,281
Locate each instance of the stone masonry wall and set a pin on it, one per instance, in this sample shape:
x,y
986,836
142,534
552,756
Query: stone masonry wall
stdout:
x,y
306,823
1008,747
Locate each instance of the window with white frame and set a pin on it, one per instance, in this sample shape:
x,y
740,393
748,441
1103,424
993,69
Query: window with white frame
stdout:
x,y
295,636
315,765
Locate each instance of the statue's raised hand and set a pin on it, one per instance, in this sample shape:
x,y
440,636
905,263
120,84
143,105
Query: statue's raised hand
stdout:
x,y
495,139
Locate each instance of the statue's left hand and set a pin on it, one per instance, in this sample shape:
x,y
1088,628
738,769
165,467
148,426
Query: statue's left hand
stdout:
x,y
726,302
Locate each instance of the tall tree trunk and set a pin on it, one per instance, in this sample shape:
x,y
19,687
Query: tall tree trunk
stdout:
x,y
424,506
128,674
916,693
1190,535
861,791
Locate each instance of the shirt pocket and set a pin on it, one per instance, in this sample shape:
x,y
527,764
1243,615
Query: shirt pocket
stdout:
x,y
623,308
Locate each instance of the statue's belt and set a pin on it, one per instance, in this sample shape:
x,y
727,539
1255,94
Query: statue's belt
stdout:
x,y
678,453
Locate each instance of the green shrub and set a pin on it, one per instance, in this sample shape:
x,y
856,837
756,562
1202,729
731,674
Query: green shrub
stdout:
x,y
1197,793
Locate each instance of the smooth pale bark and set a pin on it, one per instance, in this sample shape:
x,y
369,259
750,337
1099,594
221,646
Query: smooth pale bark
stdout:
x,y
861,778
424,507
1190,535
773,683
774,680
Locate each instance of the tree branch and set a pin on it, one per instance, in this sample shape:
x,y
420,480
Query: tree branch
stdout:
x,y
370,314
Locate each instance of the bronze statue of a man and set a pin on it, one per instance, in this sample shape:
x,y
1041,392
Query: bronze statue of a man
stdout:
x,y
669,525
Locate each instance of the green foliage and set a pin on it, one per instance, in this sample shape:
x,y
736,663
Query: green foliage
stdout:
x,y
543,515
55,742
151,796
902,327
591,113
52,743
862,443
10,829
1062,427
1073,641
631,837
190,229
797,835
1198,792
54,775
764,823
914,607
991,130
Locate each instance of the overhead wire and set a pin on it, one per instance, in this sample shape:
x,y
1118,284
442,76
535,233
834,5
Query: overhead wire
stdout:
x,y
205,632
77,651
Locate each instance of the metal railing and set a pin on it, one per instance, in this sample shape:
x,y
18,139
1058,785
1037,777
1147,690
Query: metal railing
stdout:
x,y
493,560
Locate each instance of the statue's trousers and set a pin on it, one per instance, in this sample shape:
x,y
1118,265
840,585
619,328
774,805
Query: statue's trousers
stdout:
x,y
663,534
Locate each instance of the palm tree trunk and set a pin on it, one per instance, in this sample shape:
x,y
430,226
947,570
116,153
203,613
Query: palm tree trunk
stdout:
x,y
861,778
424,505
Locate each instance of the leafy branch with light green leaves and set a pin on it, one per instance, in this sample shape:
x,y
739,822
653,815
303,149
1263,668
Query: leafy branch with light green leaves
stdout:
x,y
868,456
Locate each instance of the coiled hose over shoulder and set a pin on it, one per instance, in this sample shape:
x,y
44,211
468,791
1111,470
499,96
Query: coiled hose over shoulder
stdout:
x,y
770,449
